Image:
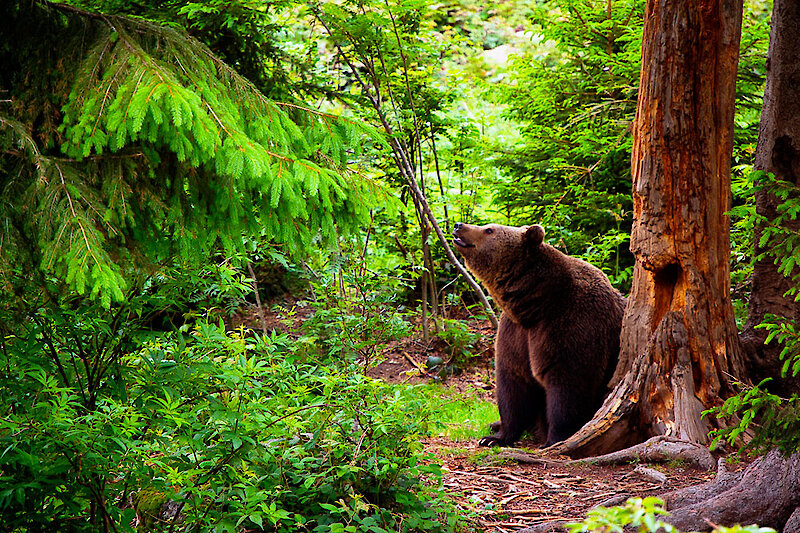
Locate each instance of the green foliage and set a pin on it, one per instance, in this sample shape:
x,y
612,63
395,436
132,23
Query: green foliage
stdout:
x,y
391,64
780,239
772,421
784,331
642,514
249,35
638,513
749,93
575,97
234,428
606,250
168,151
460,339
356,310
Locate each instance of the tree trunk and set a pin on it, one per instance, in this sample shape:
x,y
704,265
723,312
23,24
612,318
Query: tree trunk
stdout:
x,y
679,343
778,152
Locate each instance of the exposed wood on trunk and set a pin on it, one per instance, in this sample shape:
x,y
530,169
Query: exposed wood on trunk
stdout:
x,y
766,493
679,339
778,152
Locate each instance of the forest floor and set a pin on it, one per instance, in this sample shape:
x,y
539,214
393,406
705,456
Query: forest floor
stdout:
x,y
504,495
498,493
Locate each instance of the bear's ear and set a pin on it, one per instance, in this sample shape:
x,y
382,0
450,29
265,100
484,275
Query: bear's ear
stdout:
x,y
534,235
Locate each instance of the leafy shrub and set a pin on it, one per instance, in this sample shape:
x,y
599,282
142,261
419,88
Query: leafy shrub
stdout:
x,y
355,310
642,514
636,513
232,427
772,420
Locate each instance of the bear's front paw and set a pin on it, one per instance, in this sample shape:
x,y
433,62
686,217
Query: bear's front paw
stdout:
x,y
492,440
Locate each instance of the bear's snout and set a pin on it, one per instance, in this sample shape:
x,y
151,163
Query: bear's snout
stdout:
x,y
459,240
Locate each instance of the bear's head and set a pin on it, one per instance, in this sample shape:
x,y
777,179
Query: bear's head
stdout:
x,y
493,249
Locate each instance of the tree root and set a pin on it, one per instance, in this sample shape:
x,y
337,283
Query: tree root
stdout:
x,y
767,493
552,526
659,449
793,524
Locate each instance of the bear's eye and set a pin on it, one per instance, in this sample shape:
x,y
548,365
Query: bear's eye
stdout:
x,y
488,231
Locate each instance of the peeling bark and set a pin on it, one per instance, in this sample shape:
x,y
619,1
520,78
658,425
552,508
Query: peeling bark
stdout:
x,y
679,338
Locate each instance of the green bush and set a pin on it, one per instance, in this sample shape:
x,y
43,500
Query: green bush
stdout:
x,y
773,421
234,429
356,311
460,340
643,515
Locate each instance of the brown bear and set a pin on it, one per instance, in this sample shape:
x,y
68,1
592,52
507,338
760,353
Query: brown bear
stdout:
x,y
558,340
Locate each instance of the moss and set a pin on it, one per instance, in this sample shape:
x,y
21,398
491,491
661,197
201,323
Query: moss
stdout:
x,y
148,503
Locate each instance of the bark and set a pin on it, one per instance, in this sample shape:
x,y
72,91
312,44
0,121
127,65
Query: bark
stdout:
x,y
793,524
679,339
658,449
767,494
778,152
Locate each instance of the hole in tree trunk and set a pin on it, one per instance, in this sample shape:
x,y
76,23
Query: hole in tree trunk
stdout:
x,y
665,281
786,159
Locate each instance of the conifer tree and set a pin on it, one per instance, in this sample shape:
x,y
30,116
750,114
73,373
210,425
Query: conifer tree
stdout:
x,y
124,143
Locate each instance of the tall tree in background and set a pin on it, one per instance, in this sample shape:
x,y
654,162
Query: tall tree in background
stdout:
x,y
778,153
679,339
393,76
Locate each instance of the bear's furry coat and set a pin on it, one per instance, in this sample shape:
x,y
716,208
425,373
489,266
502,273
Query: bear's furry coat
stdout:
x,y
558,340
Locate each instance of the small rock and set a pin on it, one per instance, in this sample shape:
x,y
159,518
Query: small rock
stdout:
x,y
433,360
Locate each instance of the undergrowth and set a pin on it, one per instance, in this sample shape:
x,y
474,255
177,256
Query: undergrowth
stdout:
x,y
108,424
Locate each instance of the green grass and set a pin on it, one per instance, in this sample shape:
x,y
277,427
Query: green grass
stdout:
x,y
460,417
